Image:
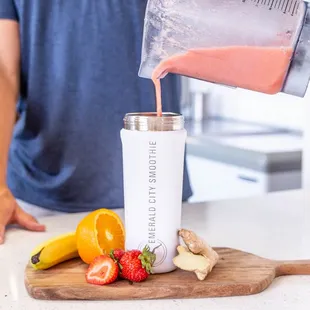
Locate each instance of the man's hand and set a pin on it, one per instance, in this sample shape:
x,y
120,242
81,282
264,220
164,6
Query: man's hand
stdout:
x,y
11,213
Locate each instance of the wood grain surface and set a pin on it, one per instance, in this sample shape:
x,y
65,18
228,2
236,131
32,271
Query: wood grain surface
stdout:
x,y
237,273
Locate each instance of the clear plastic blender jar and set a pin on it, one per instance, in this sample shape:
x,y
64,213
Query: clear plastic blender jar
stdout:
x,y
258,45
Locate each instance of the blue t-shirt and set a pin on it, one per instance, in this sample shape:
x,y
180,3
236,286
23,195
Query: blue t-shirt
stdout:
x,y
79,77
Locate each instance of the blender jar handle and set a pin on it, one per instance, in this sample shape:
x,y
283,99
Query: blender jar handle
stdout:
x,y
298,77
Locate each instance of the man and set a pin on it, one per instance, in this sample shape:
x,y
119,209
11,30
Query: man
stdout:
x,y
72,68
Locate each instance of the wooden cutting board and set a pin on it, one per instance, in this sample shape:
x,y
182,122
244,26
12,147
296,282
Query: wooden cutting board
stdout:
x,y
237,273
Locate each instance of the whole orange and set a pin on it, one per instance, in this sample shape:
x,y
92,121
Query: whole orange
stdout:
x,y
98,233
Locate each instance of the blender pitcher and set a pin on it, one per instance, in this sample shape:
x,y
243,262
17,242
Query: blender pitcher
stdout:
x,y
258,45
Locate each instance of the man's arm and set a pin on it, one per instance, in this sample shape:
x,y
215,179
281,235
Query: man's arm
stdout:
x,y
9,88
10,212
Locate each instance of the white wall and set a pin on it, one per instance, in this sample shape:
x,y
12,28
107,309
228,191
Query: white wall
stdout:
x,y
276,110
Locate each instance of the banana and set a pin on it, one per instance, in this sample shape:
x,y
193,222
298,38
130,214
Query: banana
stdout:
x,y
54,251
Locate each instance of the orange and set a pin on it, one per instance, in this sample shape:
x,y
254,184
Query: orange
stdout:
x,y
98,233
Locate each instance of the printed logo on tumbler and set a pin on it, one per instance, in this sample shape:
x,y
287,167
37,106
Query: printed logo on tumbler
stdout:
x,y
159,249
156,245
152,196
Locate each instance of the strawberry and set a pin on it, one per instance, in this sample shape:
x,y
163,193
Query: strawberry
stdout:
x,y
117,254
136,265
103,270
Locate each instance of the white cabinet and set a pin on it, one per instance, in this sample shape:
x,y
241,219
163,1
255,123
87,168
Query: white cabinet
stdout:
x,y
216,170
215,181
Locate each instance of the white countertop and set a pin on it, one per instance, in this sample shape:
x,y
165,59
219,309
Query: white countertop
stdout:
x,y
276,226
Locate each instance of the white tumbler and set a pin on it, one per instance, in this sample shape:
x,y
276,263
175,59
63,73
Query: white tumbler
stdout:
x,y
153,163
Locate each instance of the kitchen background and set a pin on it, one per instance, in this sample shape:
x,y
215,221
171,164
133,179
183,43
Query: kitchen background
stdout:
x,y
242,143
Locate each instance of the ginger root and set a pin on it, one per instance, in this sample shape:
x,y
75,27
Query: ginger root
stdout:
x,y
197,256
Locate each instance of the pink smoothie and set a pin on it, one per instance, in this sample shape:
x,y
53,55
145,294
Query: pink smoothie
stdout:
x,y
261,69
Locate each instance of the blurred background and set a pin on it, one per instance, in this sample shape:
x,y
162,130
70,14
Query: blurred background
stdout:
x,y
242,143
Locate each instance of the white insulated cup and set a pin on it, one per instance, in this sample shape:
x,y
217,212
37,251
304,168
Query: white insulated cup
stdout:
x,y
153,163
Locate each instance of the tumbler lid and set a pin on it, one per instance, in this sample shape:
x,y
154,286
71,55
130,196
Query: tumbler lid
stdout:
x,y
151,122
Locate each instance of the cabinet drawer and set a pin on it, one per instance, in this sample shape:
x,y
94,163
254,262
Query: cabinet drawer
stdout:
x,y
215,181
